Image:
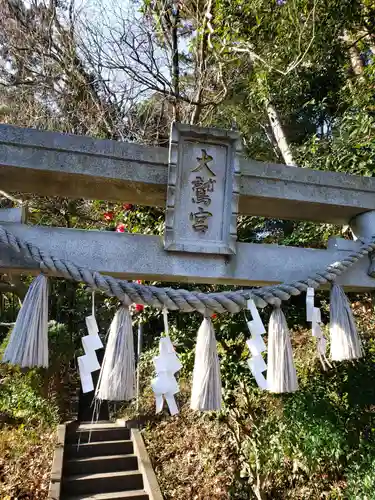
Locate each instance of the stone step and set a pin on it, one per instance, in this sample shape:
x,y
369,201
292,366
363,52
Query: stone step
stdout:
x,y
99,449
96,465
84,435
102,483
101,424
121,495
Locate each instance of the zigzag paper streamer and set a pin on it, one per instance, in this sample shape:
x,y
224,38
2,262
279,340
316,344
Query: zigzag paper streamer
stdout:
x,y
256,346
310,292
316,319
165,385
89,362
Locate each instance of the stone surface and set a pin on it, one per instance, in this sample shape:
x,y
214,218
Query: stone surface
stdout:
x,y
49,163
57,464
150,481
203,184
336,243
12,214
100,473
363,226
135,256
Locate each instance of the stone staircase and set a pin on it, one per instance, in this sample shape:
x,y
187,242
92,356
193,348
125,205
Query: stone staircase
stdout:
x,y
102,461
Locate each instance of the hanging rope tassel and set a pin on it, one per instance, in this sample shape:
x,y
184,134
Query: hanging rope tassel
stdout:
x,y
28,344
345,342
206,390
281,373
117,374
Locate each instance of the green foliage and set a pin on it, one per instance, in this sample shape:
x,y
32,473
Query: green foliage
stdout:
x,y
317,441
361,474
21,400
351,146
24,394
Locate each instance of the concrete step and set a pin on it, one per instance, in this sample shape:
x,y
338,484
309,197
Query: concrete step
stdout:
x,y
101,424
96,465
102,483
121,495
98,434
98,449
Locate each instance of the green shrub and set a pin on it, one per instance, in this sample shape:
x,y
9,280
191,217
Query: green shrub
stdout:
x,y
21,399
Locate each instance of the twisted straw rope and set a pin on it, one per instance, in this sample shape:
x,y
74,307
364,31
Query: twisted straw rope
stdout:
x,y
179,299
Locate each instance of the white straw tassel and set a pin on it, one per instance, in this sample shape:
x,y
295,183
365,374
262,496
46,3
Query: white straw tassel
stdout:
x,y
281,373
345,342
28,344
206,390
117,375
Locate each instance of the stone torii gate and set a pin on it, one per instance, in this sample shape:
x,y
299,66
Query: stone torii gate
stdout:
x,y
204,183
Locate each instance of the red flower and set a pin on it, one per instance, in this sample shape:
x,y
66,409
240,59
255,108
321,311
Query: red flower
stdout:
x,y
139,282
139,307
108,215
127,206
120,228
214,316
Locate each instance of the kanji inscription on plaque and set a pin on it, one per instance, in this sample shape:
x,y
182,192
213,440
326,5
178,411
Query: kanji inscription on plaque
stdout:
x,y
200,219
203,163
203,184
202,190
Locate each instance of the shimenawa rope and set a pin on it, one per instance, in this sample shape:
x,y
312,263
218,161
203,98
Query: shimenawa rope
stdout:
x,y
180,299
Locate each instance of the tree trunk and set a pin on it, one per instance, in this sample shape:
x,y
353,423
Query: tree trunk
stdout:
x,y
175,60
372,44
276,125
355,58
279,134
356,61
201,73
258,493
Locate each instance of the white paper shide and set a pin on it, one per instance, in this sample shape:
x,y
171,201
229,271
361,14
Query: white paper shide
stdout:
x,y
89,363
165,385
256,345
